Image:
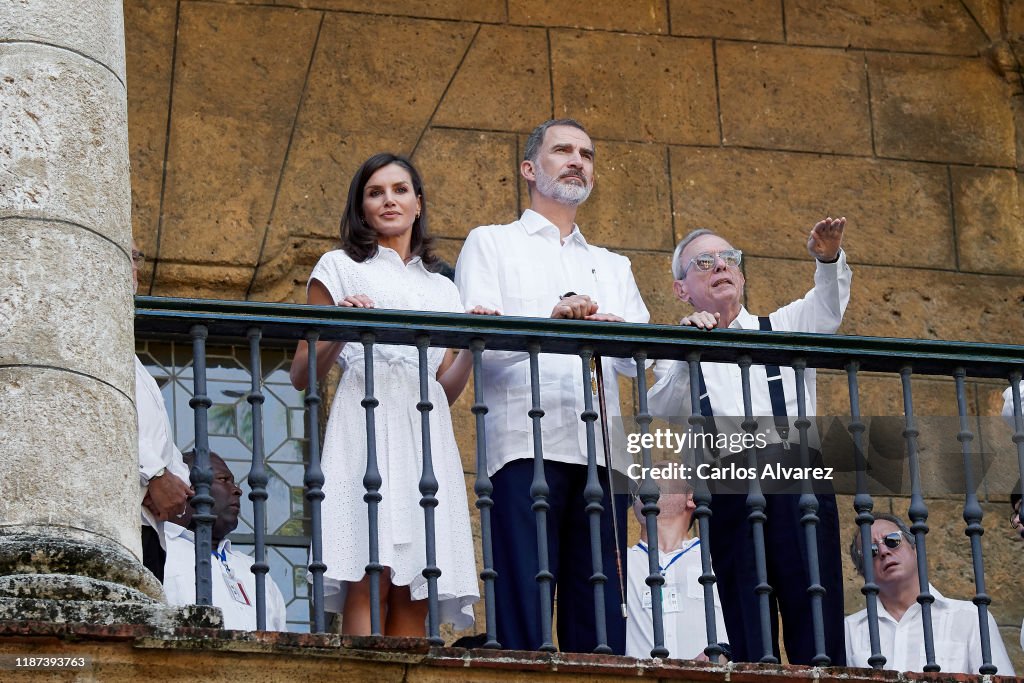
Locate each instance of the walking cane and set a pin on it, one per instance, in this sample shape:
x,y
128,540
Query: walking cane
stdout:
x,y
599,371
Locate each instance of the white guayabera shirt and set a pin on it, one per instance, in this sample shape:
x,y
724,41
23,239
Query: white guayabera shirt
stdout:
x,y
522,269
956,635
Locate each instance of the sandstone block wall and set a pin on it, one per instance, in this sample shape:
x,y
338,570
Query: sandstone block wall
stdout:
x,y
754,118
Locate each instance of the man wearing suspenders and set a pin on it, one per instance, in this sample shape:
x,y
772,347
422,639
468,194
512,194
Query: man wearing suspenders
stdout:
x,y
707,275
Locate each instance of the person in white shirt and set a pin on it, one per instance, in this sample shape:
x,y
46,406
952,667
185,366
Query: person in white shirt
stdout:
x,y
683,606
956,633
163,476
707,275
1015,497
541,266
232,580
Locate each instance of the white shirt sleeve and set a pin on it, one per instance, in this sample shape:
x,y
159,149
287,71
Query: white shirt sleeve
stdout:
x,y
156,446
634,311
821,309
669,398
1008,405
476,277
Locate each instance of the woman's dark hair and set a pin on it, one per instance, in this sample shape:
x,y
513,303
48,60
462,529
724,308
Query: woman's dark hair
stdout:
x,y
358,239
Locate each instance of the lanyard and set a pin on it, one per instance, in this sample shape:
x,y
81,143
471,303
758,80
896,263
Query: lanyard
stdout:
x,y
643,546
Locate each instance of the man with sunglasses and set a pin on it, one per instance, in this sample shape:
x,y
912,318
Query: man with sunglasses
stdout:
x,y
707,275
956,634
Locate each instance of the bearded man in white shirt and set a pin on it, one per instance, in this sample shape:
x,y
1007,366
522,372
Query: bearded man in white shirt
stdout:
x,y
955,626
163,475
541,266
707,275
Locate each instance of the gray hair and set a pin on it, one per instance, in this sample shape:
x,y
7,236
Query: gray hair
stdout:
x,y
537,136
855,545
677,268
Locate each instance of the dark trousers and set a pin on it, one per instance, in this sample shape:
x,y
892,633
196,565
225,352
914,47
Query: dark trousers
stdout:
x,y
514,525
153,554
732,554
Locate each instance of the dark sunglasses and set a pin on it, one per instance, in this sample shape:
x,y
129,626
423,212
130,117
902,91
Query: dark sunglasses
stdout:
x,y
891,541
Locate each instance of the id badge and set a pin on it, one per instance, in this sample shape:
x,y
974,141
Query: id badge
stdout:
x,y
670,599
236,589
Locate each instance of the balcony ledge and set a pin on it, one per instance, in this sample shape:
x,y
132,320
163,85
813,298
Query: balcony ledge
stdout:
x,y
129,652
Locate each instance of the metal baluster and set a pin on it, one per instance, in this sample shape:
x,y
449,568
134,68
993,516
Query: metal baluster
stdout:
x,y
863,504
258,477
428,493
483,489
918,513
702,500
809,520
372,482
540,491
649,494
756,504
593,493
201,475
314,481
972,516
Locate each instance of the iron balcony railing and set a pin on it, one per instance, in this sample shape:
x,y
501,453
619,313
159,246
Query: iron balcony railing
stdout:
x,y
200,321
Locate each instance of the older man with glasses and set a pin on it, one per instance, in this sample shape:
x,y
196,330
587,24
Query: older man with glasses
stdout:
x,y
955,626
707,275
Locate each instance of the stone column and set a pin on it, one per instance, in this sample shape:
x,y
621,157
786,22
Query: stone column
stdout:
x,y
69,490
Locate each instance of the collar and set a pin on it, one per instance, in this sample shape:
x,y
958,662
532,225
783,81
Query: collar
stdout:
x,y
941,602
534,222
390,254
172,530
745,320
641,546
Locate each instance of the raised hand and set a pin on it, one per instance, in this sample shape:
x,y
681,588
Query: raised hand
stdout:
x,y
826,238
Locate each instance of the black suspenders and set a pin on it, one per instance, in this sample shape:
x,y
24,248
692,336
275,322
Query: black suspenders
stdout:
x,y
775,393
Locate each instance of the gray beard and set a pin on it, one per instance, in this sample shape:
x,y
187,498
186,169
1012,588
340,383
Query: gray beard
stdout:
x,y
570,195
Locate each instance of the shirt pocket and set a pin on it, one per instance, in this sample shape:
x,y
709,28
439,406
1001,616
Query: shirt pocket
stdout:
x,y
694,589
553,401
949,655
528,292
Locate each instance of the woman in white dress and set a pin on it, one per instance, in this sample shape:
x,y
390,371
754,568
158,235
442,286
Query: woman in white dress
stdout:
x,y
385,262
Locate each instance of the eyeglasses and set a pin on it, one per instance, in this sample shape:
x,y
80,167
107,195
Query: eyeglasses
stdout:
x,y
891,541
705,261
138,257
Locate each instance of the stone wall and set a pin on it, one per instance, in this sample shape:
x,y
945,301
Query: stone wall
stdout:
x,y
754,118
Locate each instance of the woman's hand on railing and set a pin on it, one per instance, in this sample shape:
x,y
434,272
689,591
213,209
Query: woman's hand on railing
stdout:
x,y
357,301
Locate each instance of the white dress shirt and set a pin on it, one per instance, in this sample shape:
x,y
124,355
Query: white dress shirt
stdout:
x,y
228,570
820,310
686,633
522,269
956,634
156,443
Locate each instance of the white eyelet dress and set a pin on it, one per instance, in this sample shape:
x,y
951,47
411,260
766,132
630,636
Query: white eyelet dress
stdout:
x,y
392,284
